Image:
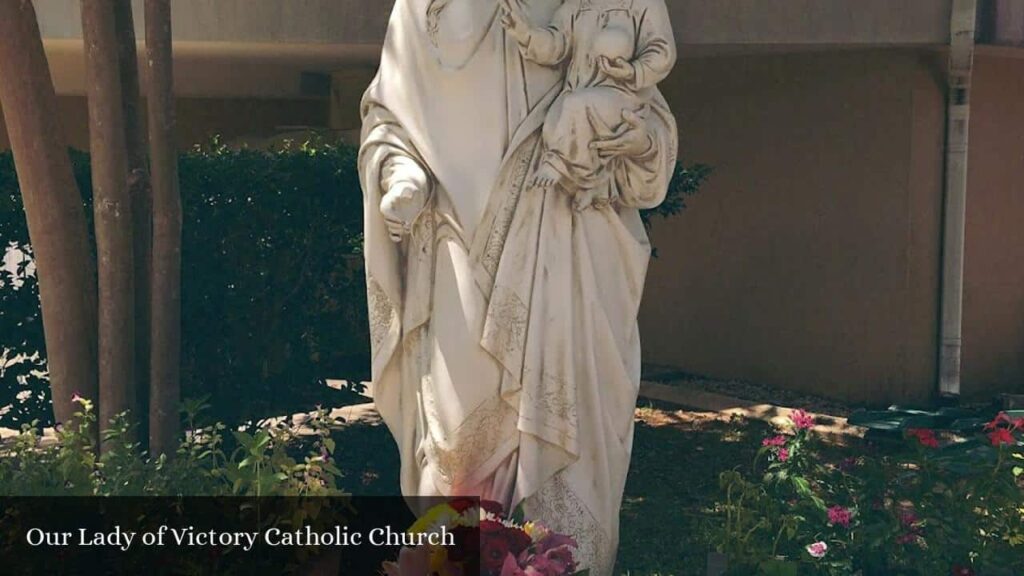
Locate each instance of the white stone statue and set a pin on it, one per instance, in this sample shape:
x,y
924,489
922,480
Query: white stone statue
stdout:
x,y
507,146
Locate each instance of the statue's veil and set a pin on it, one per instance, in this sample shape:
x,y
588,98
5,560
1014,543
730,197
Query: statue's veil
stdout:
x,y
443,78
457,27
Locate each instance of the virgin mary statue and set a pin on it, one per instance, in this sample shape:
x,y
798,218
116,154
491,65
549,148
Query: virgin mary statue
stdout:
x,y
506,354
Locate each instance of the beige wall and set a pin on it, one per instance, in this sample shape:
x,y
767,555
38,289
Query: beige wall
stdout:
x,y
200,118
994,263
810,260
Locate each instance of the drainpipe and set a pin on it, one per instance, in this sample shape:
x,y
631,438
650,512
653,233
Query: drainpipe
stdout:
x,y
963,24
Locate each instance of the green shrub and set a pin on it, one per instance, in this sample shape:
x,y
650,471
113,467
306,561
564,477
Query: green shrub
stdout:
x,y
273,294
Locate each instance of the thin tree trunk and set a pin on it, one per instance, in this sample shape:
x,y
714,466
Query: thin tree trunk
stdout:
x,y
141,197
113,214
53,206
166,310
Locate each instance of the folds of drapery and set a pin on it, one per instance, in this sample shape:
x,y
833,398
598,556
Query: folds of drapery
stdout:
x,y
565,288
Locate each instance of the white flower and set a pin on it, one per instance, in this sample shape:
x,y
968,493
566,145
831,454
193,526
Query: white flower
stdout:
x,y
818,549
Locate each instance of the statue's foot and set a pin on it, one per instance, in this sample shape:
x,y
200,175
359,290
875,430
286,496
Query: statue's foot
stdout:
x,y
546,177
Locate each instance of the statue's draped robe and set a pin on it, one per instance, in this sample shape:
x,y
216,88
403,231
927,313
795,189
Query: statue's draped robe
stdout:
x,y
506,356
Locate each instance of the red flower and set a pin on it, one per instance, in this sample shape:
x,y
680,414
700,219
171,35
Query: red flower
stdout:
x,y
518,540
783,454
1001,436
959,570
774,442
802,420
493,552
491,526
460,505
497,542
492,507
1000,418
925,436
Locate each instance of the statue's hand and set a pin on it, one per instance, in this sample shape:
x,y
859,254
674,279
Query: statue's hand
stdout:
x,y
515,20
400,207
620,69
631,139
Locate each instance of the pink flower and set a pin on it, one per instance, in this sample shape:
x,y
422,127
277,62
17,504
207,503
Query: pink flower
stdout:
x,y
958,570
925,436
783,454
839,516
774,442
1001,436
802,420
509,568
907,517
553,541
818,549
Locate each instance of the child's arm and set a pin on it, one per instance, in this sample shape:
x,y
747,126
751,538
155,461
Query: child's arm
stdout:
x,y
548,46
657,53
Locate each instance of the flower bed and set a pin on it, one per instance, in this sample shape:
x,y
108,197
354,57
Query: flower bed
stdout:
x,y
935,504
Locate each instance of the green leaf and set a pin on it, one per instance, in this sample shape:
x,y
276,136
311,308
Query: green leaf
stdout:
x,y
778,568
519,515
243,438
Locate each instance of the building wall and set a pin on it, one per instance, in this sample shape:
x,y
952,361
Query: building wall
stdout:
x,y
236,120
696,22
993,359
810,260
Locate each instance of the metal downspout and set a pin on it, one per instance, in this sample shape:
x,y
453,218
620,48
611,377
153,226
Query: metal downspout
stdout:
x,y
963,24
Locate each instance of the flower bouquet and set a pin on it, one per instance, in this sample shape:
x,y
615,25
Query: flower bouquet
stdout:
x,y
485,541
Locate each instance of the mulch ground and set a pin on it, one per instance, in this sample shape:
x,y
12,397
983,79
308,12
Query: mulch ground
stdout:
x,y
673,480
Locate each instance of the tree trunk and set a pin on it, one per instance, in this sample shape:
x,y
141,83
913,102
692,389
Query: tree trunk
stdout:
x,y
113,211
166,284
141,197
53,206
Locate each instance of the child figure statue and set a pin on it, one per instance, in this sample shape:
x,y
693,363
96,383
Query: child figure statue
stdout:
x,y
616,53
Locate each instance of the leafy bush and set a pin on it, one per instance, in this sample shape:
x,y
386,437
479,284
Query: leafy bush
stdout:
x,y
273,294
266,463
933,505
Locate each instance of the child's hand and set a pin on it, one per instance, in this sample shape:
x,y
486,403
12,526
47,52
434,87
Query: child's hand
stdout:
x,y
618,69
514,19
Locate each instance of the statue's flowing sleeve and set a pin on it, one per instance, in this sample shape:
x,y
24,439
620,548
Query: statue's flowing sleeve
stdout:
x,y
393,271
